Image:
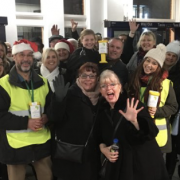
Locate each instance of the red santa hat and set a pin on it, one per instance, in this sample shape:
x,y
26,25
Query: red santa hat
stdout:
x,y
64,44
23,45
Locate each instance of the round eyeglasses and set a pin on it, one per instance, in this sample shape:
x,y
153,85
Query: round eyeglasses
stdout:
x,y
85,76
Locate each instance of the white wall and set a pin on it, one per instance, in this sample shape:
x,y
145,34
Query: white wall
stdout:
x,y
8,10
95,15
114,10
177,11
53,13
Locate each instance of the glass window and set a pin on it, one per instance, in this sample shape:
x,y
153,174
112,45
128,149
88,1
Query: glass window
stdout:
x,y
28,6
160,9
29,32
68,32
74,7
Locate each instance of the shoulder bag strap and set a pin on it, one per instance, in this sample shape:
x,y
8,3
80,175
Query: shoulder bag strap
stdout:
x,y
117,125
92,125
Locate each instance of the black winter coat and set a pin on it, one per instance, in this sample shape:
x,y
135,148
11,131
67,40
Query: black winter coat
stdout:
x,y
118,67
78,58
174,76
139,155
74,118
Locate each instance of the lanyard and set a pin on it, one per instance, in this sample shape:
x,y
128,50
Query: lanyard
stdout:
x,y
141,96
31,93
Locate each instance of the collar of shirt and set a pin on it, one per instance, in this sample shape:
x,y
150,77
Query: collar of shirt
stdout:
x,y
22,79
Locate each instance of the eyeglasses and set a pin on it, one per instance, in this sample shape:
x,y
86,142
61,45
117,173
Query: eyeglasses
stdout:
x,y
91,76
105,86
21,55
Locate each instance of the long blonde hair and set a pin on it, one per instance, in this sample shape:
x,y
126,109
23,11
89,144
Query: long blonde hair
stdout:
x,y
146,33
46,52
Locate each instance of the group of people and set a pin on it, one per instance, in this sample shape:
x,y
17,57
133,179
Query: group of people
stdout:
x,y
71,97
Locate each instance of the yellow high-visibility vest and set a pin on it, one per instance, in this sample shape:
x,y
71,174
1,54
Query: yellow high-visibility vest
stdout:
x,y
161,124
19,105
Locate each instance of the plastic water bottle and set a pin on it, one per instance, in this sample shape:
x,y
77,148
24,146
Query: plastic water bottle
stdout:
x,y
115,146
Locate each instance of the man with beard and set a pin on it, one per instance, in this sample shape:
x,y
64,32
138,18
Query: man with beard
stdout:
x,y
24,96
115,49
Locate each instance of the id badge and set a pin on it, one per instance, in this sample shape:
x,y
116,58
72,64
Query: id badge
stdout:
x,y
35,110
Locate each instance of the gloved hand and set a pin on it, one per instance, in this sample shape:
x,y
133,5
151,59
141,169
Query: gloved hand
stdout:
x,y
60,88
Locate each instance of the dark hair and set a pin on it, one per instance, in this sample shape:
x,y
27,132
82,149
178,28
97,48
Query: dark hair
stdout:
x,y
5,48
135,84
123,35
115,38
4,72
55,37
5,61
99,34
38,40
89,66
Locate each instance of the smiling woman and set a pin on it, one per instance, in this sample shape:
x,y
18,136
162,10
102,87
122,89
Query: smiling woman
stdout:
x,y
151,75
146,42
73,112
110,87
139,157
50,66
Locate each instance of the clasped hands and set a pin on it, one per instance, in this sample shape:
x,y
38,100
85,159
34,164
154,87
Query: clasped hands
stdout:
x,y
37,124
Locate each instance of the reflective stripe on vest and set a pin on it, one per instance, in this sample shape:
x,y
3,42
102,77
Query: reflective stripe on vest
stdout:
x,y
19,106
21,113
24,113
161,124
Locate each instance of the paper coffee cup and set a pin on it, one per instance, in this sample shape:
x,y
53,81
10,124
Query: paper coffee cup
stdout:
x,y
153,99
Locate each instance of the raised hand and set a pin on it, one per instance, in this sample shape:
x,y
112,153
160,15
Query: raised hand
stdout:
x,y
131,111
55,30
60,88
73,25
133,26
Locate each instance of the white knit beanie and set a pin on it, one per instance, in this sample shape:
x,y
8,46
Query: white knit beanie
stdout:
x,y
174,47
158,54
62,45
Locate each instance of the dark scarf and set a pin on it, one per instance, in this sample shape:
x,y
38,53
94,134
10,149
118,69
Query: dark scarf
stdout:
x,y
140,55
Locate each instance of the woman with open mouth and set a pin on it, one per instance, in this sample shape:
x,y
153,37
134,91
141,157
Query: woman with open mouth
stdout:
x,y
138,157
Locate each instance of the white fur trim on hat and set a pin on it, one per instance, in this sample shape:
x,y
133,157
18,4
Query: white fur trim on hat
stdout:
x,y
158,54
37,55
174,47
21,47
62,45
